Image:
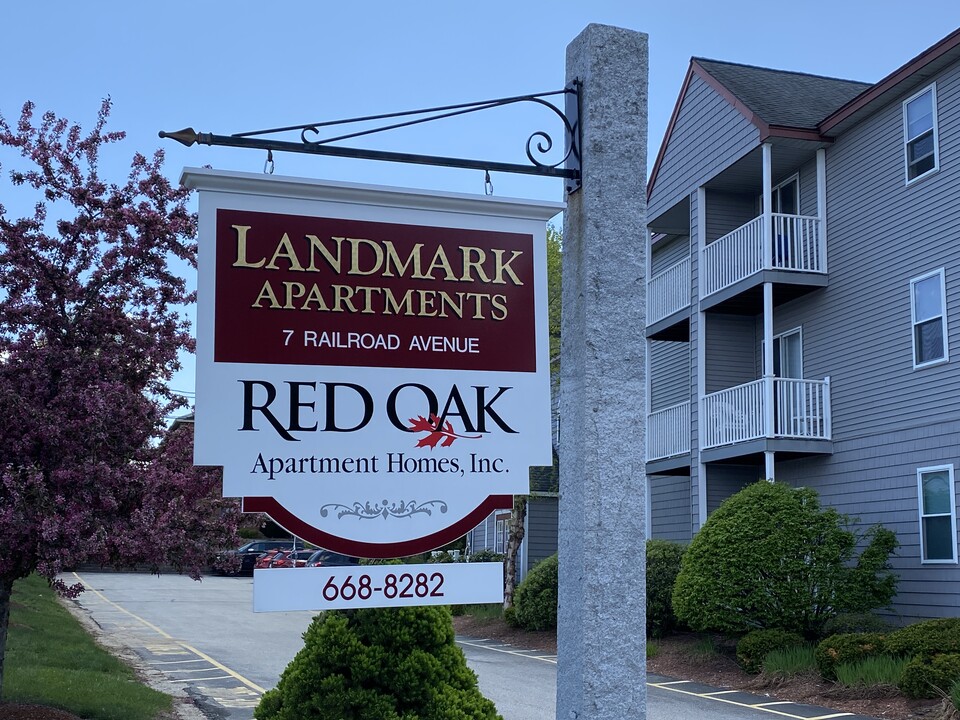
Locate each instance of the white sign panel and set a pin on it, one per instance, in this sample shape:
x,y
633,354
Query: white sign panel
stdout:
x,y
370,586
372,363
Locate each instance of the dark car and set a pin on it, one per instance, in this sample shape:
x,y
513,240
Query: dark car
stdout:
x,y
251,551
328,558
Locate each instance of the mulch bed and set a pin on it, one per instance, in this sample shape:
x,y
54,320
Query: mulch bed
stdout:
x,y
16,711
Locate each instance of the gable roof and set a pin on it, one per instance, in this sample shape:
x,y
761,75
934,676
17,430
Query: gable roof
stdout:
x,y
799,105
781,98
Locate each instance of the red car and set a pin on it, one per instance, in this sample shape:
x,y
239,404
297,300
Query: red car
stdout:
x,y
265,560
295,558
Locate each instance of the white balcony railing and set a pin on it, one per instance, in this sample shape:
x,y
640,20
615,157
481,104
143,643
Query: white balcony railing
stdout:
x,y
668,432
797,244
801,409
668,291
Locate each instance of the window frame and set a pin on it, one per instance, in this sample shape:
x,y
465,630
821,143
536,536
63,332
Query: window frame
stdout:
x,y
932,89
953,513
941,272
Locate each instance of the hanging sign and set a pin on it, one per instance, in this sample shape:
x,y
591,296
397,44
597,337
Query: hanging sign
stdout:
x,y
372,363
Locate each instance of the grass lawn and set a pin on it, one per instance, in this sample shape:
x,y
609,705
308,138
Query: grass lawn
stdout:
x,y
52,660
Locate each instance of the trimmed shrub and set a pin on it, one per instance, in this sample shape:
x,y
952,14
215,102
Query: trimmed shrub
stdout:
x,y
770,557
847,623
663,566
848,648
535,599
929,676
754,647
382,664
927,638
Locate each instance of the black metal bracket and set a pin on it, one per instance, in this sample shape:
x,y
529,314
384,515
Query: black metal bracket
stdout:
x,y
538,144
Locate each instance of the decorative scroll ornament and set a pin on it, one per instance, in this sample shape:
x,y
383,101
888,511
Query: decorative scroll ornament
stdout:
x,y
384,509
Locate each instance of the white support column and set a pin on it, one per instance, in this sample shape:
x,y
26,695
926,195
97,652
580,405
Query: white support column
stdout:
x,y
767,150
822,205
768,304
701,357
768,419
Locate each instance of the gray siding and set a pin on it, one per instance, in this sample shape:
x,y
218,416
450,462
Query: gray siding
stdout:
x,y
726,480
726,212
541,538
669,374
881,234
874,478
668,252
808,188
696,332
888,419
731,340
670,508
482,536
709,135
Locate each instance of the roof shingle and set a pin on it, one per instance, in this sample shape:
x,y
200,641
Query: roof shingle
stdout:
x,y
779,97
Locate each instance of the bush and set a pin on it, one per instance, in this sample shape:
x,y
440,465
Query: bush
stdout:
x,y
485,556
754,647
388,664
847,623
535,599
663,566
955,695
849,648
927,638
930,676
770,557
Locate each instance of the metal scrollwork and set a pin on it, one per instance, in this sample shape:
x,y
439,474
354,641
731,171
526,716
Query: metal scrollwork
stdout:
x,y
537,145
385,509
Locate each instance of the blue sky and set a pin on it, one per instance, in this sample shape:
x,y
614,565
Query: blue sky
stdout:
x,y
233,67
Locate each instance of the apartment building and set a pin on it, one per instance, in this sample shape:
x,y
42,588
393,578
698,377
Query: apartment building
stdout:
x,y
804,299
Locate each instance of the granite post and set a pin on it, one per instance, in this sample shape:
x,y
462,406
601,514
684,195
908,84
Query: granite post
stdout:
x,y
601,670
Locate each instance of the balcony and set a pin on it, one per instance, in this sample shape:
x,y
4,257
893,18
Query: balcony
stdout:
x,y
734,421
668,432
736,262
668,295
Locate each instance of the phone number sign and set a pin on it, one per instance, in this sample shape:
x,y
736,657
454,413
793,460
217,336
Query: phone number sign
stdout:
x,y
372,363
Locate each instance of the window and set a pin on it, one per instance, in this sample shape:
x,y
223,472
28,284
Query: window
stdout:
x,y
502,533
920,134
927,303
938,518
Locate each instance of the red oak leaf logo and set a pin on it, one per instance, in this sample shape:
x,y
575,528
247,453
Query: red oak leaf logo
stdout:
x,y
445,435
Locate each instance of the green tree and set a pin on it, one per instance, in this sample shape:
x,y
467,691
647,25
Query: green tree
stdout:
x,y
770,557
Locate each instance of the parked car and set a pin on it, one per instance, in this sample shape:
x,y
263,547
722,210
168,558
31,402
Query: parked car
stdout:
x,y
293,558
266,559
249,553
328,558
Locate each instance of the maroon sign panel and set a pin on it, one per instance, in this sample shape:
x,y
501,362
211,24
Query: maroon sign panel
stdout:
x,y
323,291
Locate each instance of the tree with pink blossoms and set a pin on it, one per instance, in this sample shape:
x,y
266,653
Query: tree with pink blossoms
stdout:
x,y
91,326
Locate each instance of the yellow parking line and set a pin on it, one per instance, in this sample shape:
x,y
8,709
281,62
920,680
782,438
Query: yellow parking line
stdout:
x,y
235,675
